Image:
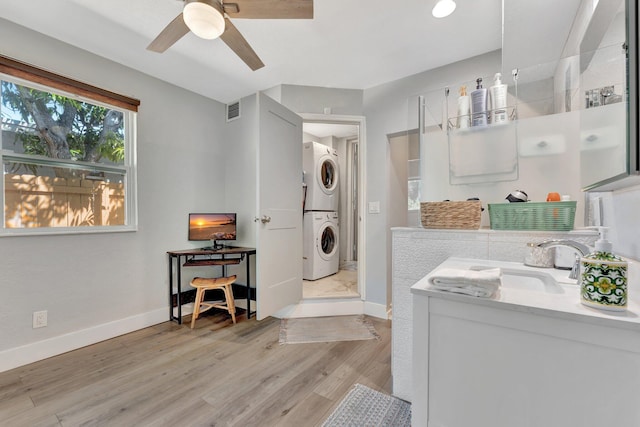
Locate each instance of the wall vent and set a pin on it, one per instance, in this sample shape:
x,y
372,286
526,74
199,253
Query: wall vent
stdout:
x,y
233,111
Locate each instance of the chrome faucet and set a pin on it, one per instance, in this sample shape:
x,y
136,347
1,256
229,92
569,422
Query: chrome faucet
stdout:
x,y
580,248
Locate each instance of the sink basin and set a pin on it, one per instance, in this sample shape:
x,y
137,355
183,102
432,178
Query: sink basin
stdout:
x,y
526,280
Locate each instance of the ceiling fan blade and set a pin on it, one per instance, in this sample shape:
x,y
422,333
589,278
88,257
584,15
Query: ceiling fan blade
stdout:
x,y
240,46
269,9
171,34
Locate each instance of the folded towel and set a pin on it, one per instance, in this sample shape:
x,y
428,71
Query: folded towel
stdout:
x,y
483,283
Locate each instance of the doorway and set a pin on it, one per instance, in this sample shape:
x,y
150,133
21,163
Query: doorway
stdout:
x,y
344,135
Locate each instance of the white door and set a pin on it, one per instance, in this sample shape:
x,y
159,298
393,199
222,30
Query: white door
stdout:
x,y
279,229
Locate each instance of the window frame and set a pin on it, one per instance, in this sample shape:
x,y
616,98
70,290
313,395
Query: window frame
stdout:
x,y
128,169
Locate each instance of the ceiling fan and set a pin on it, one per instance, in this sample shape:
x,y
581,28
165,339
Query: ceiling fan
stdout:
x,y
209,19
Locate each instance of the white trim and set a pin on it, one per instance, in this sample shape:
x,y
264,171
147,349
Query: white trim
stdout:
x,y
322,307
29,353
360,121
128,169
376,310
131,161
332,307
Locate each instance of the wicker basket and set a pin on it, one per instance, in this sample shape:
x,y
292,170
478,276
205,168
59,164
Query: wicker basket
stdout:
x,y
458,215
548,216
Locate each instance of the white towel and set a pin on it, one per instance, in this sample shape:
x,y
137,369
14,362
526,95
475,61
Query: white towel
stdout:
x,y
483,283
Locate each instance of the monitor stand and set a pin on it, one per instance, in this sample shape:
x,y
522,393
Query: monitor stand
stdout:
x,y
214,246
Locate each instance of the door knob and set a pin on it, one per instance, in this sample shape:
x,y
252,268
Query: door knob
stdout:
x,y
265,219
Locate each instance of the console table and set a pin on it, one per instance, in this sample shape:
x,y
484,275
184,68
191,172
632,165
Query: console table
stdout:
x,y
228,255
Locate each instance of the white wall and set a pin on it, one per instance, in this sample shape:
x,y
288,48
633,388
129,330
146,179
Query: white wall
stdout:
x,y
625,207
240,162
95,286
307,99
391,108
538,172
240,157
618,210
397,193
116,281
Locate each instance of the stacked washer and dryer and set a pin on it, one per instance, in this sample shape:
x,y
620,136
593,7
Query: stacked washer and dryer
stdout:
x,y
320,252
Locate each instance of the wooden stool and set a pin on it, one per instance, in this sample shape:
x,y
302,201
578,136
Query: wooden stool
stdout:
x,y
203,284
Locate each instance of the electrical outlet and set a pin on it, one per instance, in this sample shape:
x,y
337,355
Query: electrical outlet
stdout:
x,y
39,319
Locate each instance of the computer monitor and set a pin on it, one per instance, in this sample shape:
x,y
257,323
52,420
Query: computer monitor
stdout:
x,y
212,227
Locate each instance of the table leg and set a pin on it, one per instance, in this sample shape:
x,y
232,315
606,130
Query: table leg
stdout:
x,y
171,317
179,296
248,287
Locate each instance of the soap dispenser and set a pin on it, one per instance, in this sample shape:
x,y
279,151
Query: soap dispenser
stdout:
x,y
603,278
479,104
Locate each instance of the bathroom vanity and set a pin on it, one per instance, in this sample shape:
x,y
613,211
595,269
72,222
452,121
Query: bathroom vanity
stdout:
x,y
531,355
417,251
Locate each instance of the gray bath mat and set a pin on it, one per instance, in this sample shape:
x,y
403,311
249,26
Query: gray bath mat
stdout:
x,y
364,406
326,329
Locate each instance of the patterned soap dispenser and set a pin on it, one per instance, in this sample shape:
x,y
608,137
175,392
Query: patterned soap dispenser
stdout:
x,y
603,278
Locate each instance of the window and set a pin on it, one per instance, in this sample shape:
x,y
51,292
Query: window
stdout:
x,y
68,154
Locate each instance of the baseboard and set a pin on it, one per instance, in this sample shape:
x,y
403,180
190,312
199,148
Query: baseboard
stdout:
x,y
23,355
332,307
376,310
29,353
322,307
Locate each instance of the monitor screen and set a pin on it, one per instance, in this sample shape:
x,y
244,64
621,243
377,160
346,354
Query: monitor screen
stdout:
x,y
212,226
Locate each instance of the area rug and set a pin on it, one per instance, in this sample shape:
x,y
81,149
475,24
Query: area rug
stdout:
x,y
364,406
326,329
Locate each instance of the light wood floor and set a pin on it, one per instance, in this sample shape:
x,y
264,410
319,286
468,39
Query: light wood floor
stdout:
x,y
218,374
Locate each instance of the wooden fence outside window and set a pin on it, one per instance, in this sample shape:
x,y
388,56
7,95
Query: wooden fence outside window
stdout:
x,y
40,201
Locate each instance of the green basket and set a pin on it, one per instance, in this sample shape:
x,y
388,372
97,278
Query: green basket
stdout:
x,y
546,216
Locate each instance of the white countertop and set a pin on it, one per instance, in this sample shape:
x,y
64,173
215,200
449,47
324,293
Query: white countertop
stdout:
x,y
565,303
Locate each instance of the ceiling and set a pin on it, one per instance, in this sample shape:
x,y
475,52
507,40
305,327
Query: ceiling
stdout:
x,y
348,44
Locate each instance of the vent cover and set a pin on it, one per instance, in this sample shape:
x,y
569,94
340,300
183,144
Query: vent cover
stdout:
x,y
233,111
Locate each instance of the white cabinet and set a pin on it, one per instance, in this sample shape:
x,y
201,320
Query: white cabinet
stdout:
x,y
483,366
417,251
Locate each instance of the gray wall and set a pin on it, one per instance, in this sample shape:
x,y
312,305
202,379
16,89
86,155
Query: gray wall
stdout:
x,y
240,168
307,99
391,108
117,281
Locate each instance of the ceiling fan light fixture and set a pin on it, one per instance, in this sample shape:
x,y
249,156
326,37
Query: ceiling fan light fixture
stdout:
x,y
443,8
204,18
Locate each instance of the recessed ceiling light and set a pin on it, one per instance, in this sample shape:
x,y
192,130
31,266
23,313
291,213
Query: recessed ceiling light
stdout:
x,y
443,8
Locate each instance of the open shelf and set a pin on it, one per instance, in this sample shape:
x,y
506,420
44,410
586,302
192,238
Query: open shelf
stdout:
x,y
198,262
